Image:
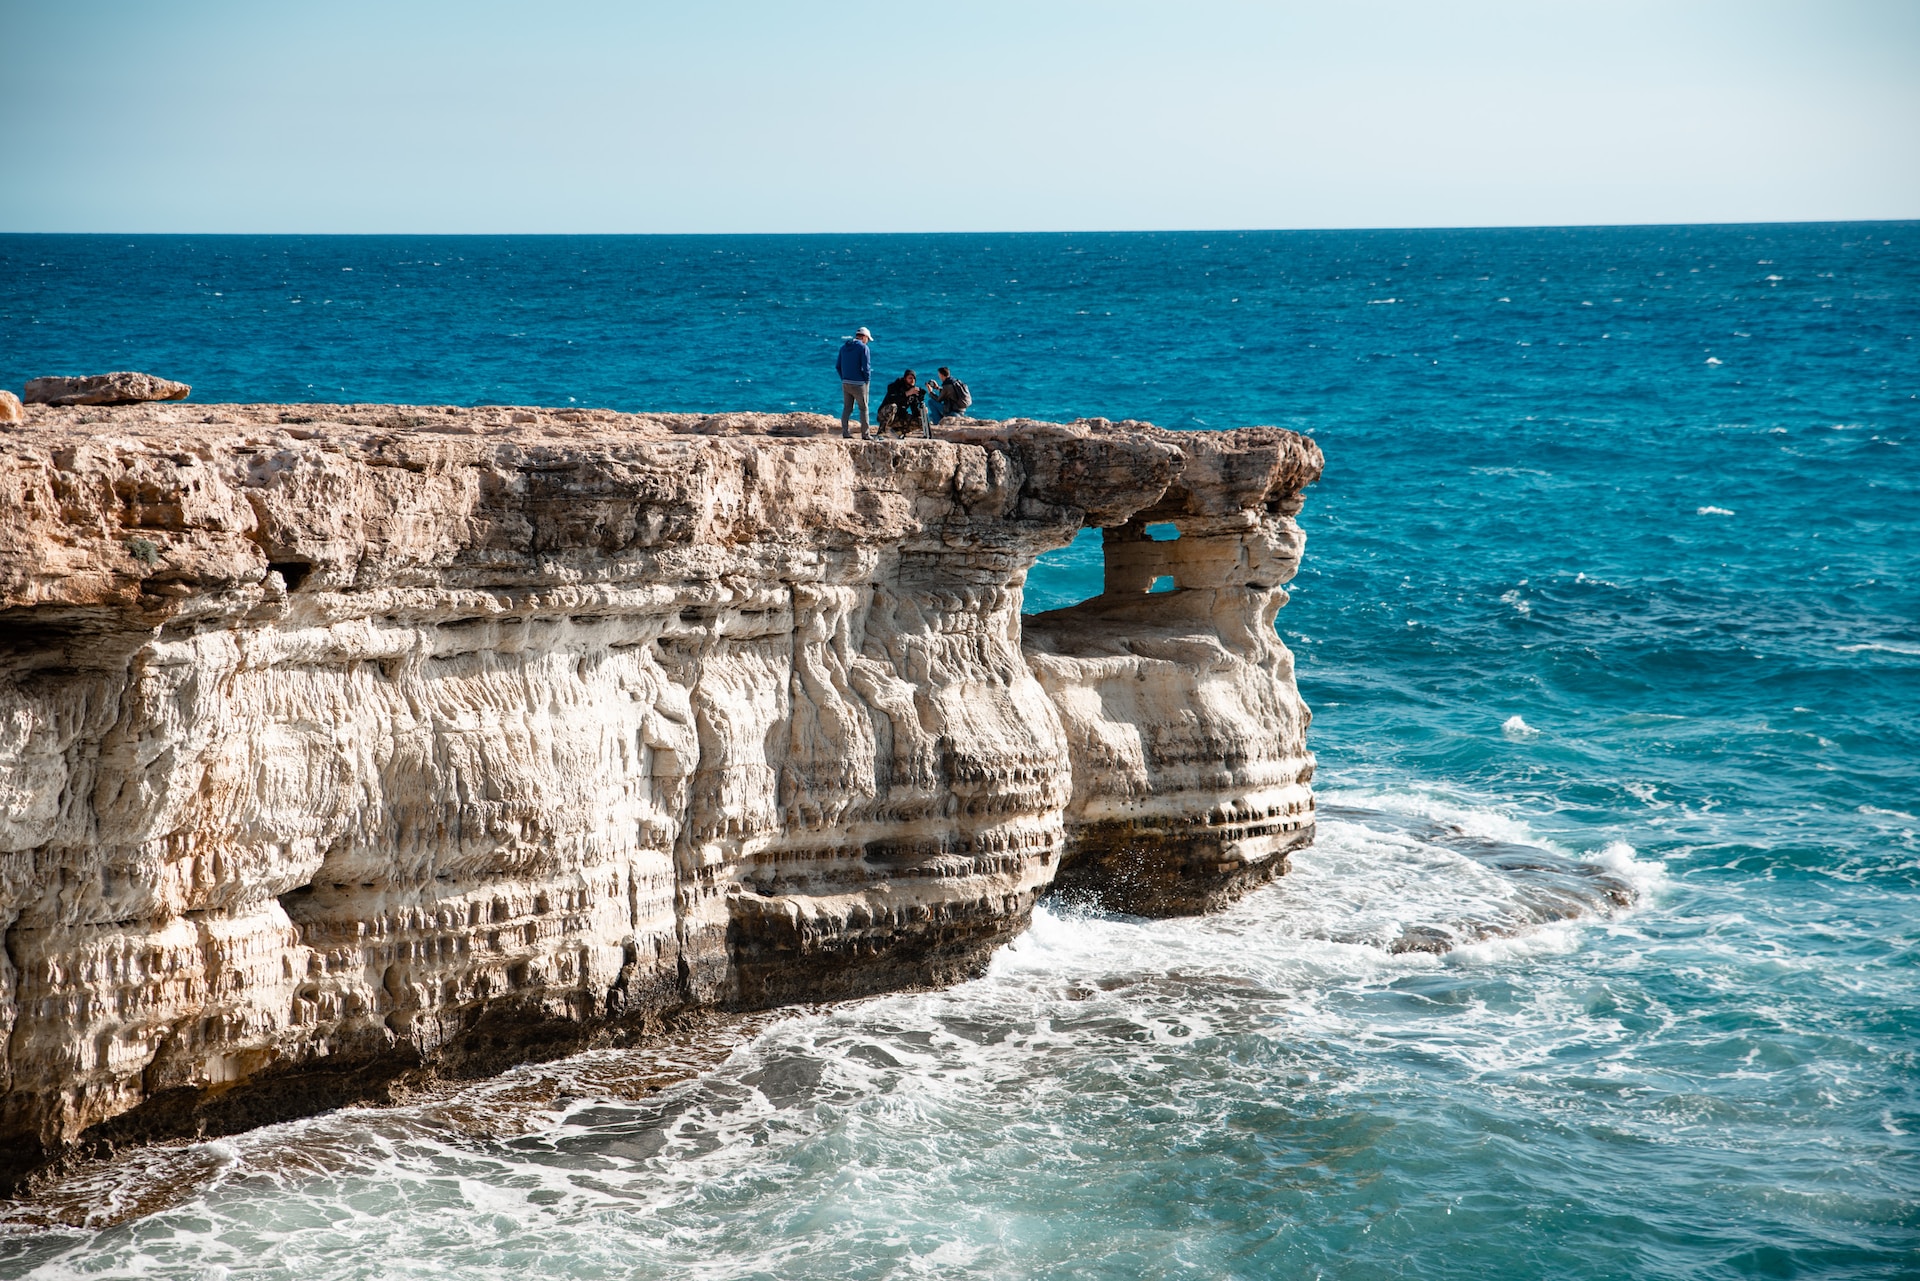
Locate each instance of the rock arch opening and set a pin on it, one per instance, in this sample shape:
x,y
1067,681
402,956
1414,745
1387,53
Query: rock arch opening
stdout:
x,y
1067,575
1121,560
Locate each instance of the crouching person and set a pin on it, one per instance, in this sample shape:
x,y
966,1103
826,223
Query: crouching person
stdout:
x,y
904,407
947,397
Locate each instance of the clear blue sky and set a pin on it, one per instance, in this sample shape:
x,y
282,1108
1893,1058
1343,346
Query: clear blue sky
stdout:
x,y
468,115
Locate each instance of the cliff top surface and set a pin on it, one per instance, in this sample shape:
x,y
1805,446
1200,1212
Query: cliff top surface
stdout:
x,y
136,504
164,424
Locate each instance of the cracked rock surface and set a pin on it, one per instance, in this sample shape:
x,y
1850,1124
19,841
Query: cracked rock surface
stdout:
x,y
343,744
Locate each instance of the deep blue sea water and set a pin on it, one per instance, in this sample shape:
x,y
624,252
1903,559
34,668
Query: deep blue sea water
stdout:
x,y
1617,554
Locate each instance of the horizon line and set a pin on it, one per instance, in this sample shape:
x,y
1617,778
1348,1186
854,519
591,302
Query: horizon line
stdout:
x,y
1039,231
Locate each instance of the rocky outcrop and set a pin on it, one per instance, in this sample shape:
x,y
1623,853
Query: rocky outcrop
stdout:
x,y
339,744
1191,777
122,388
11,410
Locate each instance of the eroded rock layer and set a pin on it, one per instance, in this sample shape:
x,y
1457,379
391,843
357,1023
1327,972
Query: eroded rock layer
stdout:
x,y
341,743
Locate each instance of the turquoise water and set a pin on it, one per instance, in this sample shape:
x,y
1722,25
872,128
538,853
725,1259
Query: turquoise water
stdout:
x,y
1613,568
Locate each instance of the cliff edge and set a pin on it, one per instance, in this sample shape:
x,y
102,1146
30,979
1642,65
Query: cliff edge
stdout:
x,y
342,743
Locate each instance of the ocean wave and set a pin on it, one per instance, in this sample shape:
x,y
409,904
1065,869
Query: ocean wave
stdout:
x,y
1420,802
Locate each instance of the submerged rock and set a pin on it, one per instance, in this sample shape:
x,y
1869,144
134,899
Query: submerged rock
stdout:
x,y
344,745
122,388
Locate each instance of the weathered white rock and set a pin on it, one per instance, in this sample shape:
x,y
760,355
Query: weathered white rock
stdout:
x,y
1191,776
342,743
122,388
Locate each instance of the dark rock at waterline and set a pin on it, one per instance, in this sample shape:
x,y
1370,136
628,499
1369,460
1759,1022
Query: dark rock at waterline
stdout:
x,y
1545,886
121,388
1159,870
1422,938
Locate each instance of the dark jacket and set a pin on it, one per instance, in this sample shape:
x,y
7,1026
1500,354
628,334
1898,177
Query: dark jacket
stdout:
x,y
901,398
856,362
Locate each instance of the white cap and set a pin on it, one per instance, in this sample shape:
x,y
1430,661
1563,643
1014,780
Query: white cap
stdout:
x,y
863,332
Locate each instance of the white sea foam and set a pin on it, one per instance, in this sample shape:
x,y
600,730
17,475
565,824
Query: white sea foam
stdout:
x,y
1515,727
1492,823
1647,876
1714,511
1550,938
1879,647
1475,819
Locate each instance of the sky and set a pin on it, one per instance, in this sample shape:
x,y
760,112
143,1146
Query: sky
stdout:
x,y
453,116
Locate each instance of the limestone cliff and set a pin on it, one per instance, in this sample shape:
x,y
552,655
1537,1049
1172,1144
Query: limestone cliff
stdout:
x,y
341,743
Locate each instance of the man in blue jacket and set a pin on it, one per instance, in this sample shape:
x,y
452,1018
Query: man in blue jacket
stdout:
x,y
856,371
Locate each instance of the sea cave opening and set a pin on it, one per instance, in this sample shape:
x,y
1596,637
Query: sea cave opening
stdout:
x,y
1067,575
1098,562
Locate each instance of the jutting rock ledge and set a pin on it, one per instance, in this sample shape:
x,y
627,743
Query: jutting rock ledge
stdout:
x,y
342,745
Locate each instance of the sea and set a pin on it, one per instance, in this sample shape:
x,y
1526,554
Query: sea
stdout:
x,y
1613,579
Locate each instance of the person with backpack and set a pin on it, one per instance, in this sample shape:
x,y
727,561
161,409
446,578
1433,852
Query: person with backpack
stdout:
x,y
947,398
855,366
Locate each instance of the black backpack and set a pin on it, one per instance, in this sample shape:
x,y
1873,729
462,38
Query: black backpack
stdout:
x,y
956,395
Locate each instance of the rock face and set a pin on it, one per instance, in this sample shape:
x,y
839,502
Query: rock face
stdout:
x,y
1186,733
122,388
11,410
343,744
